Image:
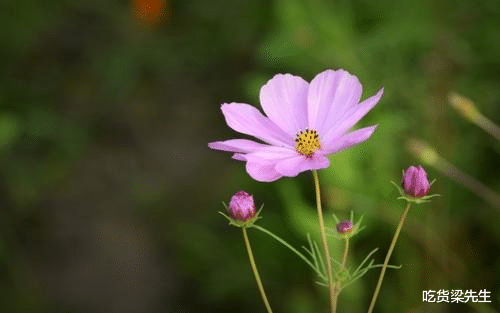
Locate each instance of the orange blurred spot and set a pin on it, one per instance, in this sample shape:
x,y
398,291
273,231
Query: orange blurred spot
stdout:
x,y
149,12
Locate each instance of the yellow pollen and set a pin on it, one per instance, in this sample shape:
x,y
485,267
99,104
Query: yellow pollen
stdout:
x,y
307,142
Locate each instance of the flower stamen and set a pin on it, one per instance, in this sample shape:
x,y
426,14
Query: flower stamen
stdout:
x,y
307,142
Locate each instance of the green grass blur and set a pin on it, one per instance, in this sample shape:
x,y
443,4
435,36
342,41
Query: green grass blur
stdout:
x,y
109,193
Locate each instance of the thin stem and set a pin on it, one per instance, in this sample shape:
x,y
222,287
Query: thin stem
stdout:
x,y
286,244
428,155
342,267
469,110
256,273
387,257
346,250
333,304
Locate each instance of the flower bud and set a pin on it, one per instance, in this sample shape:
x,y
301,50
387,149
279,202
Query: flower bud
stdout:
x,y
415,182
241,207
344,227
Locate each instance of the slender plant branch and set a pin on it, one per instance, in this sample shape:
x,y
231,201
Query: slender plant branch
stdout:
x,y
346,251
333,304
286,244
388,256
256,273
338,286
364,261
430,156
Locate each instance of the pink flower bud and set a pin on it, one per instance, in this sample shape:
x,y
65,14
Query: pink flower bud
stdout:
x,y
344,227
415,182
241,207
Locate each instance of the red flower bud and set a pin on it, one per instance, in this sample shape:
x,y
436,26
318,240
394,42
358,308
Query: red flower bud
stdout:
x,y
344,227
241,207
415,182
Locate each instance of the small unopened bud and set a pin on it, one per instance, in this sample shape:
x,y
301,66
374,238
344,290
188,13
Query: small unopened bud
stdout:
x,y
241,207
415,182
344,227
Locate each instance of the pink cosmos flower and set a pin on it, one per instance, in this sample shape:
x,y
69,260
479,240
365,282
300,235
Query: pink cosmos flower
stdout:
x,y
305,122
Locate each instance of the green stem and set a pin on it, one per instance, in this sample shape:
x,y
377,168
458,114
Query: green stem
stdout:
x,y
346,250
256,273
342,267
286,244
331,288
388,256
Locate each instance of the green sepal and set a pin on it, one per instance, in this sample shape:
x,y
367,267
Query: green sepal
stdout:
x,y
408,198
348,276
356,228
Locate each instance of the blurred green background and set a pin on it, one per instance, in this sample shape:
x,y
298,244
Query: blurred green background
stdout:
x,y
109,193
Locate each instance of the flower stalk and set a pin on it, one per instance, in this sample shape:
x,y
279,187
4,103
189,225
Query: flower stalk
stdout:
x,y
255,271
331,287
338,285
388,256
468,109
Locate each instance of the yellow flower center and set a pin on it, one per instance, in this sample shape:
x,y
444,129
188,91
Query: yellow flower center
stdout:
x,y
307,142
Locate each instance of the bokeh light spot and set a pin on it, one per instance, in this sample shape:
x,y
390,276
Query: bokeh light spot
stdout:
x,y
150,12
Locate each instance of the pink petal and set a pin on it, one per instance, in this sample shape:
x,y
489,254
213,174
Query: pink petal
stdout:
x,y
236,145
263,171
353,116
409,179
291,167
331,95
260,164
284,100
239,157
248,120
270,153
348,140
